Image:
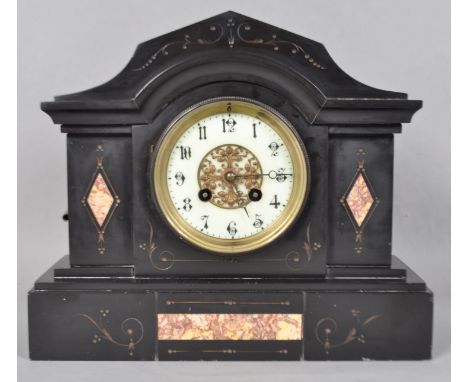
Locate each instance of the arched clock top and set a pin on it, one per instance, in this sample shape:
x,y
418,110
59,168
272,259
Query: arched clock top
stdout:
x,y
231,40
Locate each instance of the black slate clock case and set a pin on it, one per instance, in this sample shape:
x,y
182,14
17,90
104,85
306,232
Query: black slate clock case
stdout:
x,y
357,301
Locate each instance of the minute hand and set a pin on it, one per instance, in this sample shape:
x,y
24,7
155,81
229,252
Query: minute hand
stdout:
x,y
271,174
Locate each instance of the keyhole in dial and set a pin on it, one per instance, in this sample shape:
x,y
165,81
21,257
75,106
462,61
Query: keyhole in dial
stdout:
x,y
255,194
205,195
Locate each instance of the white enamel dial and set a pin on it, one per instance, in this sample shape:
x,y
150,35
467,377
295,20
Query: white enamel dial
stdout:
x,y
236,145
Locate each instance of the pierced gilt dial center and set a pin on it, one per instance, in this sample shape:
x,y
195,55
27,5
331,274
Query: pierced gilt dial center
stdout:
x,y
229,172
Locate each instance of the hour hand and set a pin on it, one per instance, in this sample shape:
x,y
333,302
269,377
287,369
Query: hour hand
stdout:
x,y
239,199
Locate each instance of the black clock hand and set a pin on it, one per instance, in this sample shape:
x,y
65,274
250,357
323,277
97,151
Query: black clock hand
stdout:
x,y
272,174
239,198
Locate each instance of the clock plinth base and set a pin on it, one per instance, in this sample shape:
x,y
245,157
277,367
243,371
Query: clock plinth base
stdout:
x,y
350,315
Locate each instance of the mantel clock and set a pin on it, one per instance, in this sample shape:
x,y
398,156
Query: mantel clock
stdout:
x,y
230,198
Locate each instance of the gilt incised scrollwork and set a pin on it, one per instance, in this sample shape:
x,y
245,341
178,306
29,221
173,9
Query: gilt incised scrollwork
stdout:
x,y
325,330
162,261
226,351
297,260
165,260
232,34
228,302
132,331
359,201
229,172
216,32
100,199
276,43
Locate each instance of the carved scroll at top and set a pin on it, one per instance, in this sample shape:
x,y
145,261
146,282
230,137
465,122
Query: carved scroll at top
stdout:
x,y
277,44
229,34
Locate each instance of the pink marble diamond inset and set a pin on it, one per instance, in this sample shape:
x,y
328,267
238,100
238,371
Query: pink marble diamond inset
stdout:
x,y
100,199
360,200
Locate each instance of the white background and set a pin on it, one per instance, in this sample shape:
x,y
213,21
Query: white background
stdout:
x,y
401,45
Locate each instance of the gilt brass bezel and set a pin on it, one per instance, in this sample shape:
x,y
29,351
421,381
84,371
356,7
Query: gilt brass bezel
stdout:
x,y
265,114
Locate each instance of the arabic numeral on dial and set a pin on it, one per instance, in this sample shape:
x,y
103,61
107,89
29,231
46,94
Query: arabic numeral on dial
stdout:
x,y
187,206
185,152
231,228
258,223
281,176
180,178
201,132
228,125
274,202
274,148
204,219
